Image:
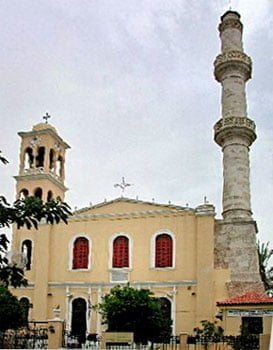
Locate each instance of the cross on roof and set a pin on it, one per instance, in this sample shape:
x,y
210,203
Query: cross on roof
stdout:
x,y
123,185
46,117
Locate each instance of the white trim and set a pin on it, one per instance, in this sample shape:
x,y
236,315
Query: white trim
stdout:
x,y
174,311
71,309
110,251
70,252
98,314
152,249
89,310
68,295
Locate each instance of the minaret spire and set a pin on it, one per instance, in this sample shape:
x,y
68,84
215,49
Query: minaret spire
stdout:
x,y
235,237
234,132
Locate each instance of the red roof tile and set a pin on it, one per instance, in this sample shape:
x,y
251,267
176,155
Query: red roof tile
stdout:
x,y
248,298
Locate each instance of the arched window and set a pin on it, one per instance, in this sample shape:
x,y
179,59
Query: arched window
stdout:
x,y
121,252
49,195
51,159
23,193
38,193
163,251
25,306
27,252
40,157
59,166
28,158
166,307
80,253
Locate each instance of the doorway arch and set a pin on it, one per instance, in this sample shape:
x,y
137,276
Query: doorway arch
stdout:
x,y
78,319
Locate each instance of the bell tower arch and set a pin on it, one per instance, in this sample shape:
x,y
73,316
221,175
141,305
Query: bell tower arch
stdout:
x,y
42,163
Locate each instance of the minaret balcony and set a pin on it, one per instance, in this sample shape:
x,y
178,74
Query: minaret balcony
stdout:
x,y
232,61
234,126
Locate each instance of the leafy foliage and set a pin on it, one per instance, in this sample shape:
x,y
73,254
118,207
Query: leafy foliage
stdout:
x,y
28,212
126,309
266,272
209,329
11,311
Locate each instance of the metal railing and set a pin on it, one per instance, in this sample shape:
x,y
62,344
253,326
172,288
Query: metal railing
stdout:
x,y
36,338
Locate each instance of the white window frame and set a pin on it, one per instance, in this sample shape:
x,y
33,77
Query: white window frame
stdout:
x,y
110,251
70,254
153,245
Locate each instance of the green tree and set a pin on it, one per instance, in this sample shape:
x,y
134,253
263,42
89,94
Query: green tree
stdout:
x,y
126,309
266,271
209,329
27,213
11,311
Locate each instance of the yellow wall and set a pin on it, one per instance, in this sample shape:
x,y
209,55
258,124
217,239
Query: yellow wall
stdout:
x,y
190,285
232,325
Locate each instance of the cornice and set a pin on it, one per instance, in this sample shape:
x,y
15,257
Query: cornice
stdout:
x,y
146,284
132,215
41,176
45,132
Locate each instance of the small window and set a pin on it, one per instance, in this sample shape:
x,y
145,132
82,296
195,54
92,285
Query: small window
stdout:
x,y
120,252
25,306
23,193
40,157
163,251
38,193
27,253
80,253
59,166
49,195
252,325
28,158
51,160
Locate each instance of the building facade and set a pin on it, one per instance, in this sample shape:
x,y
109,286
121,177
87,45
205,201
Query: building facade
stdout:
x,y
184,255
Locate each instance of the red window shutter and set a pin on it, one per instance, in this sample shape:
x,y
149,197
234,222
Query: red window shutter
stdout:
x,y
80,253
121,252
163,251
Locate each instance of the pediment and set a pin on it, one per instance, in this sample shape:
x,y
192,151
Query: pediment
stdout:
x,y
126,205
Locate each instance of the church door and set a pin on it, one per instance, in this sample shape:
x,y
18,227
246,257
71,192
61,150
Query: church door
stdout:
x,y
78,323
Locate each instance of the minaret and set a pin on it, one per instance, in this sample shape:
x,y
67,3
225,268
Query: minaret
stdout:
x,y
235,132
42,159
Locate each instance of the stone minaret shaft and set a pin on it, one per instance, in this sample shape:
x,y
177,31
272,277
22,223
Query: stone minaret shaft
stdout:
x,y
234,132
235,235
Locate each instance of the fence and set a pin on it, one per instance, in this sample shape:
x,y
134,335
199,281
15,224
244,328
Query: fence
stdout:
x,y
36,338
251,342
93,342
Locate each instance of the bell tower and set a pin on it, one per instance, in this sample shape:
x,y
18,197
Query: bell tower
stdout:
x,y
42,163
235,241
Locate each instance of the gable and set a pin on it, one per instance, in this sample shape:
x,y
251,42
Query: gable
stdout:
x,y
125,205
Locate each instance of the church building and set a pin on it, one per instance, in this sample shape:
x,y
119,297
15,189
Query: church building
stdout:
x,y
185,256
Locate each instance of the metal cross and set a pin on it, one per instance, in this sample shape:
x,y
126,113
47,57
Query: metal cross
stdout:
x,y
123,185
229,7
46,117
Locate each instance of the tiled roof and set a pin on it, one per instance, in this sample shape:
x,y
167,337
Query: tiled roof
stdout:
x,y
248,298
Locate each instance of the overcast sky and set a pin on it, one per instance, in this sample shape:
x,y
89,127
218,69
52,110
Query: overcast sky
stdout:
x,y
129,85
